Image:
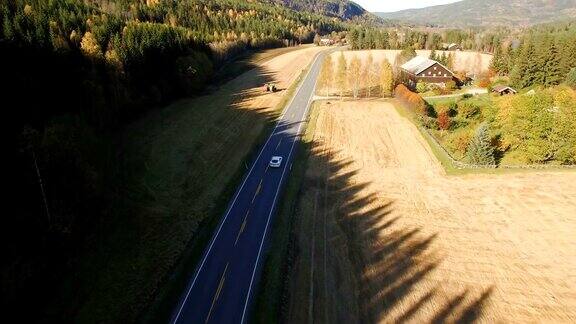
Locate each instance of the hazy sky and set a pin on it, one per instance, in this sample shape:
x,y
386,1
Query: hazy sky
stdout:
x,y
395,5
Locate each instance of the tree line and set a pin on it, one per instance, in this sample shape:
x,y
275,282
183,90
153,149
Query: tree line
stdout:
x,y
544,55
355,78
398,38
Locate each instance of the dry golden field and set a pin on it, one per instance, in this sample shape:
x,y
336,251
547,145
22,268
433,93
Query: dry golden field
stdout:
x,y
383,235
464,61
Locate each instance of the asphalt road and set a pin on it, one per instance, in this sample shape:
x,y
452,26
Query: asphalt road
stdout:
x,y
222,288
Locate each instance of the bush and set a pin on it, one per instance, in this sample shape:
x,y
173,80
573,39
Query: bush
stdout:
x,y
459,122
484,80
450,85
449,108
411,99
467,109
421,87
429,122
458,142
444,120
435,88
452,109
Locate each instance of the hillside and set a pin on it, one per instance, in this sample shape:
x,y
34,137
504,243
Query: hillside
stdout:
x,y
342,9
333,8
488,13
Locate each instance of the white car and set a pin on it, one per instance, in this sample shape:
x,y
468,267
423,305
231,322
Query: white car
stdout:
x,y
276,161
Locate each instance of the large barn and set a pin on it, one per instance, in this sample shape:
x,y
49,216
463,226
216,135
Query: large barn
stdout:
x,y
423,69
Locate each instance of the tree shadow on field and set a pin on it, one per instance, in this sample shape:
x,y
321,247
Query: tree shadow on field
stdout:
x,y
167,193
366,266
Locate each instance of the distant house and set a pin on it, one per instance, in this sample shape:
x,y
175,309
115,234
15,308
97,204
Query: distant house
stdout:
x,y
503,90
326,42
423,69
451,47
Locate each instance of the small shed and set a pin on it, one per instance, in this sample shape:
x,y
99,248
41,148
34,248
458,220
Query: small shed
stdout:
x,y
504,90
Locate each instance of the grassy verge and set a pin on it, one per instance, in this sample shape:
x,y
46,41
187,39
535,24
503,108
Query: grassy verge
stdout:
x,y
171,292
445,160
272,295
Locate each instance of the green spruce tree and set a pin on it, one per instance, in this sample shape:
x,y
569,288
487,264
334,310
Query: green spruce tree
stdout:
x,y
553,73
480,150
524,71
538,62
498,61
433,55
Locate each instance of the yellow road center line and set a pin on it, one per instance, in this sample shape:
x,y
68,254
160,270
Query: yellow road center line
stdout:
x,y
257,190
242,227
220,285
240,232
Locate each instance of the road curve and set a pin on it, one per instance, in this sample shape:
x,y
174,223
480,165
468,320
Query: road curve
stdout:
x,y
222,287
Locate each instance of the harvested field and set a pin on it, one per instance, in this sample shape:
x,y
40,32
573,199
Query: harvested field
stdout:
x,y
383,235
464,61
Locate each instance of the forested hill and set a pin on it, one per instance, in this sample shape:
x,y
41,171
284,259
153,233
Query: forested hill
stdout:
x,y
343,9
489,13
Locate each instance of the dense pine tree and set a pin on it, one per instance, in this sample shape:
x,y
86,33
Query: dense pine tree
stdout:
x,y
480,150
544,56
553,74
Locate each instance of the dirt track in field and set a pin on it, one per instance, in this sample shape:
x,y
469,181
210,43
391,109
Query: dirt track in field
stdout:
x,y
383,235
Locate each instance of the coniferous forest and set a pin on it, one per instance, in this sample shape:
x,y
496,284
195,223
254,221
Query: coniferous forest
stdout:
x,y
543,56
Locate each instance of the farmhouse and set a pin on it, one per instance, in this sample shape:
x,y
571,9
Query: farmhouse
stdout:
x,y
423,69
503,90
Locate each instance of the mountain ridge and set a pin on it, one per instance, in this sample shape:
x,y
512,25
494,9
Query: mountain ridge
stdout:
x,y
342,9
469,13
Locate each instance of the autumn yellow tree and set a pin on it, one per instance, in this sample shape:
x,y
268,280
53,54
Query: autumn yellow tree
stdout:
x,y
90,47
386,79
364,84
354,75
372,73
341,72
